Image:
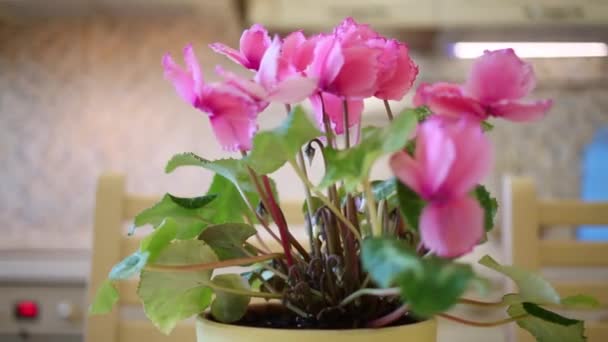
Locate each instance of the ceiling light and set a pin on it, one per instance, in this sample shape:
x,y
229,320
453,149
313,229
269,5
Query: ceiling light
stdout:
x,y
467,50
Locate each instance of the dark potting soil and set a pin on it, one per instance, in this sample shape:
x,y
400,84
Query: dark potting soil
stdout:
x,y
278,317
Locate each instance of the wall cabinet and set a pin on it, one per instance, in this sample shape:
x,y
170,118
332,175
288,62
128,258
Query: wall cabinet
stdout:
x,y
288,14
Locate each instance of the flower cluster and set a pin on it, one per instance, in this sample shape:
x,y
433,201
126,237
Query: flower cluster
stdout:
x,y
496,82
352,63
340,69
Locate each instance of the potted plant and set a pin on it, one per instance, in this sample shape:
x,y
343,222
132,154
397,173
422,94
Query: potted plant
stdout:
x,y
379,261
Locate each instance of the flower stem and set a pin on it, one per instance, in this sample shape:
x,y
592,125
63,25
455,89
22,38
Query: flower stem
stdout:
x,y
389,112
483,324
480,303
371,207
254,178
266,266
346,123
325,200
260,219
213,265
309,212
326,123
390,318
279,219
393,291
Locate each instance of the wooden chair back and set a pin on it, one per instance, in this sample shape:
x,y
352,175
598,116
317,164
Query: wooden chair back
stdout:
x,y
113,208
526,216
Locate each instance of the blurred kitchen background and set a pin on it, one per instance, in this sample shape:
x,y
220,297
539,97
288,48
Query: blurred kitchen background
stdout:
x,y
82,92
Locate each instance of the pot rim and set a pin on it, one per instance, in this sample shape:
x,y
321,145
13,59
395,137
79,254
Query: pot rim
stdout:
x,y
431,322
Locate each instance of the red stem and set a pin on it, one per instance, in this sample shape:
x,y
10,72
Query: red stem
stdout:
x,y
388,319
279,220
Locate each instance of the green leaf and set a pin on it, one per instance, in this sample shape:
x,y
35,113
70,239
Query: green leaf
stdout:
x,y
429,285
105,298
227,239
353,165
547,326
580,301
315,202
272,149
169,297
438,288
489,205
129,266
422,113
162,236
384,189
229,307
532,288
194,202
232,169
229,205
486,126
190,221
547,315
385,259
410,204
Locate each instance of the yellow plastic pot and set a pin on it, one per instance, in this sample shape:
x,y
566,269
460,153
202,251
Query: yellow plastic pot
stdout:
x,y
210,331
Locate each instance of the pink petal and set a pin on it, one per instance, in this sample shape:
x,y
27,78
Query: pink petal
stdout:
x,y
327,61
232,118
253,44
181,79
357,77
521,111
235,55
351,33
193,68
448,99
473,156
499,75
317,108
291,45
305,54
249,87
453,228
436,154
234,133
387,59
402,78
408,171
293,90
269,66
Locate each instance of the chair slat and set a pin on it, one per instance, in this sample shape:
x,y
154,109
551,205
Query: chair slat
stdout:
x,y
140,330
573,253
597,331
595,289
129,244
106,251
128,292
572,212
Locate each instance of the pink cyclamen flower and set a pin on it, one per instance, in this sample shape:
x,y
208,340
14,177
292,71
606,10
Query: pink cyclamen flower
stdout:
x,y
358,75
268,84
232,113
497,82
334,107
397,71
254,42
451,157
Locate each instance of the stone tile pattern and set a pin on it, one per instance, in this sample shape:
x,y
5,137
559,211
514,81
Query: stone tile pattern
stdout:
x,y
80,96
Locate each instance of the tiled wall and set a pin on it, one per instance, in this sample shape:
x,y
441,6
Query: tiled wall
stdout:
x,y
83,95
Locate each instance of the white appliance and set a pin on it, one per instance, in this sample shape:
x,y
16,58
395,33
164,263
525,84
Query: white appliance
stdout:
x,y
42,295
